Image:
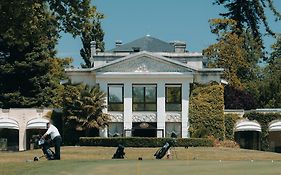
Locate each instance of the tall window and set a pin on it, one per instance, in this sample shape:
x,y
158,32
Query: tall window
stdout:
x,y
144,98
115,97
173,97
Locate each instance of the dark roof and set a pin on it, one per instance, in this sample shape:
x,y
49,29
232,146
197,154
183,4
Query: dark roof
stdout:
x,y
146,43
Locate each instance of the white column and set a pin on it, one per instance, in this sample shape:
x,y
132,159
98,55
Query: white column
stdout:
x,y
185,109
22,138
161,115
22,131
103,87
128,109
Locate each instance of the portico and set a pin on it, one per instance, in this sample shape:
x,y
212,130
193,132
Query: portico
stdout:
x,y
132,113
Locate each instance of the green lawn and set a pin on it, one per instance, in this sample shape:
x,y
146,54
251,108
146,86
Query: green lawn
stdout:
x,y
97,160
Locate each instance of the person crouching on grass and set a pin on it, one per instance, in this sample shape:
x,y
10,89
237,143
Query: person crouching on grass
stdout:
x,y
56,138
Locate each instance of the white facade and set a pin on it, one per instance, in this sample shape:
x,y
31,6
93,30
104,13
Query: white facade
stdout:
x,y
146,68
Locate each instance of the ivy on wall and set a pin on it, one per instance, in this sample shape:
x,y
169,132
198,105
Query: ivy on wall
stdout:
x,y
230,120
206,115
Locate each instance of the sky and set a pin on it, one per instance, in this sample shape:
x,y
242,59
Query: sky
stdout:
x,y
167,20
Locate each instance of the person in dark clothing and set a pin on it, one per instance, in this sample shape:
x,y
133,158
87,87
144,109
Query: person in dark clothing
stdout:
x,y
56,138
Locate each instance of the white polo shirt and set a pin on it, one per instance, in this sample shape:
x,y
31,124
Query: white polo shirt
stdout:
x,y
52,131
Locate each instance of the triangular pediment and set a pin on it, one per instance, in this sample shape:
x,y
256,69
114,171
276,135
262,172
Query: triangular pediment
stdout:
x,y
144,62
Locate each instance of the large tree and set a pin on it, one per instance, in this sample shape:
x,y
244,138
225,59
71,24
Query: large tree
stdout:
x,y
28,34
251,22
57,72
229,52
238,55
27,41
249,14
270,86
92,32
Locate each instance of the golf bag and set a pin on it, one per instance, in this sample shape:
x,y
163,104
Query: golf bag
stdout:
x,y
45,146
119,154
160,153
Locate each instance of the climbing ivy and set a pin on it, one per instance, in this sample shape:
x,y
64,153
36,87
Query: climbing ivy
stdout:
x,y
206,115
230,120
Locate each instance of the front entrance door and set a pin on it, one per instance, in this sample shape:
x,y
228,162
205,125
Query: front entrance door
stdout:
x,y
143,129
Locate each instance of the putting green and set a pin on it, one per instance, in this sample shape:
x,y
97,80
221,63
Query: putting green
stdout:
x,y
142,167
97,160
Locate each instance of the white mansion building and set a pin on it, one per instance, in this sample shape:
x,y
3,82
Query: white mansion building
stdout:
x,y
147,82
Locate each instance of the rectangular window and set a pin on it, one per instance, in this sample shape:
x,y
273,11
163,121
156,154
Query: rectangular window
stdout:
x,y
115,129
144,98
173,97
173,130
115,97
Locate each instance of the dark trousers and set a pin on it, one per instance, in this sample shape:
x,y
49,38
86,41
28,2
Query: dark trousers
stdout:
x,y
57,142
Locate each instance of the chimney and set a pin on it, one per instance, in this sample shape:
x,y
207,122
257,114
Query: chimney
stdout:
x,y
93,48
93,51
118,43
180,46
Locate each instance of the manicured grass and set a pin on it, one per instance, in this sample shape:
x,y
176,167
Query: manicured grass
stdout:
x,y
97,160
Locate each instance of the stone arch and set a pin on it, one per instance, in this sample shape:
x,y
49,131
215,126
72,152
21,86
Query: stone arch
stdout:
x,y
274,135
9,134
37,123
9,123
247,134
35,127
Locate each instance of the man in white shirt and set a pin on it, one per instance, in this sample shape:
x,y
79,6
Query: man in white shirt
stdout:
x,y
56,138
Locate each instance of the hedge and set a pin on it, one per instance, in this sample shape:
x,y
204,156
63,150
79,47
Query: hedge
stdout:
x,y
143,141
206,115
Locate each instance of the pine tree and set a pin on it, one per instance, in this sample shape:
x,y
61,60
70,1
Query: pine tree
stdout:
x,y
92,32
28,34
27,41
249,14
270,86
